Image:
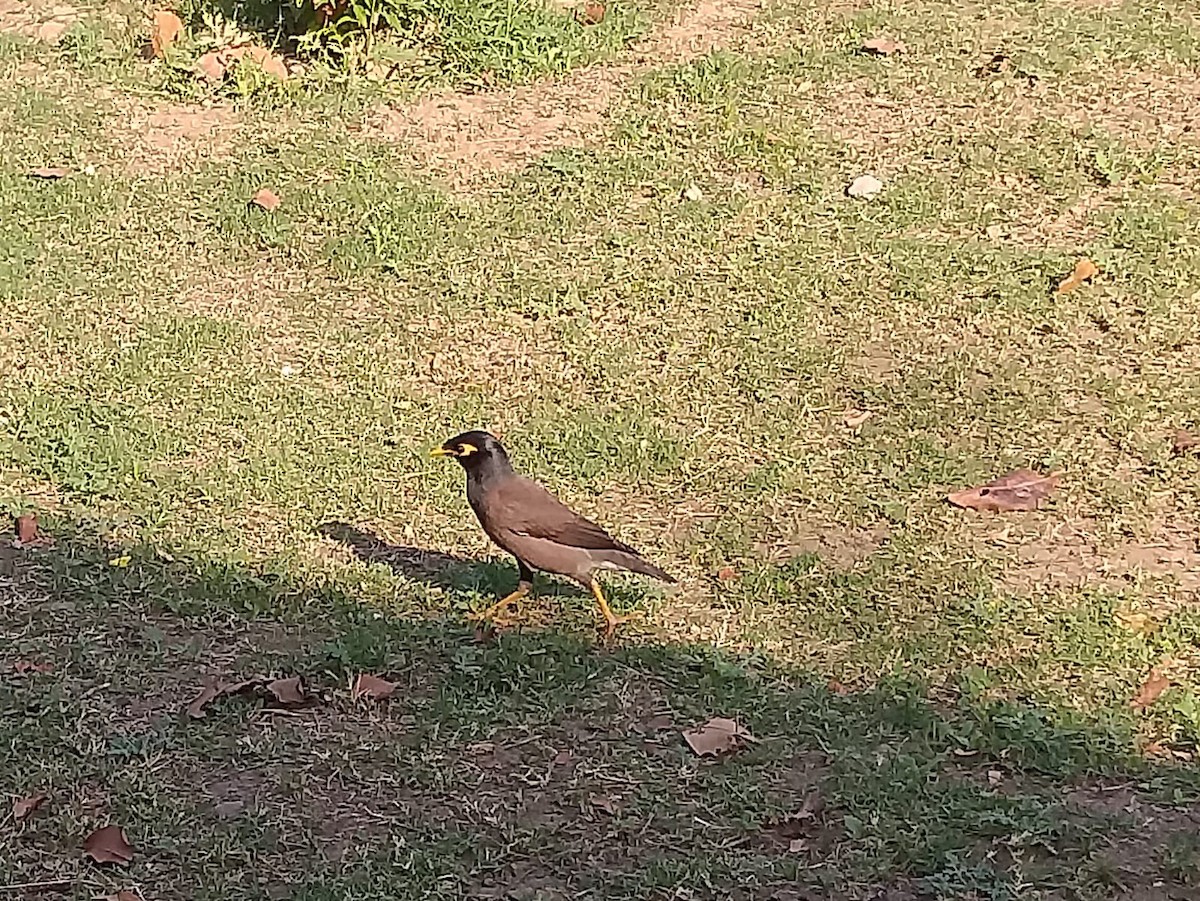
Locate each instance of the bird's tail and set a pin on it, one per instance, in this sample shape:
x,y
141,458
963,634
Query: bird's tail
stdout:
x,y
638,564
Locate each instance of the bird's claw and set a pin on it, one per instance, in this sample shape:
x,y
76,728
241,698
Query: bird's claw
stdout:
x,y
609,629
497,615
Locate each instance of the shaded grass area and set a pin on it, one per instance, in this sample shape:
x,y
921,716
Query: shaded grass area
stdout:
x,y
206,387
531,764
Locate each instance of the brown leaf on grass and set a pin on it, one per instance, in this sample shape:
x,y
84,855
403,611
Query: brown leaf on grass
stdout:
x,y
1085,270
50,32
215,64
1156,683
27,529
49,173
855,418
1022,489
727,574
25,667
1184,441
883,46
23,808
592,13
266,199
219,689
123,895
288,691
211,65
270,63
717,737
207,695
108,845
837,688
165,31
372,687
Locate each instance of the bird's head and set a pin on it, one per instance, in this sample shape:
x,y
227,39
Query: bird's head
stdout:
x,y
474,450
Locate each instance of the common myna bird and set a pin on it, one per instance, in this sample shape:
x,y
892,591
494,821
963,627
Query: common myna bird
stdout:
x,y
534,526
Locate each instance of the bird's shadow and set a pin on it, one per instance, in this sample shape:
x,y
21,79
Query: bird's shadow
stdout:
x,y
447,571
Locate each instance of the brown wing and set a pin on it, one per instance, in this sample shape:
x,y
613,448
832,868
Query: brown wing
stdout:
x,y
525,507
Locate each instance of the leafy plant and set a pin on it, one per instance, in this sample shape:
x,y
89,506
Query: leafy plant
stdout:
x,y
501,40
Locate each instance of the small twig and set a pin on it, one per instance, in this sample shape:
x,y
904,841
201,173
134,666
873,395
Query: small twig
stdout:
x,y
33,886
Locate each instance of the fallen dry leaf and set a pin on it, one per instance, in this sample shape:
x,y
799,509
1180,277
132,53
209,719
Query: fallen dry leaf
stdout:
x,y
1156,683
211,65
207,695
49,172
124,895
269,62
267,199
23,808
50,32
215,64
592,13
25,667
855,418
1184,442
367,686
288,691
108,845
27,529
883,46
165,31
1022,489
727,574
717,737
994,777
1084,270
219,689
837,688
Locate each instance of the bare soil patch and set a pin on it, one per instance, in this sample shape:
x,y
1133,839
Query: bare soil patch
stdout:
x,y
465,136
839,546
1072,556
154,139
1139,107
45,22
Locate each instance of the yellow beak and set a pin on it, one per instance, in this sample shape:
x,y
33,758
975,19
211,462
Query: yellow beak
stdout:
x,y
442,452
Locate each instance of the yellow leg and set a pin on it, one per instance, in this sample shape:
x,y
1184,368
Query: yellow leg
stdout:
x,y
495,613
611,620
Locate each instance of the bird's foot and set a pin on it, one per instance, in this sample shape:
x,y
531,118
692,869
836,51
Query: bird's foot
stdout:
x,y
498,615
501,616
609,629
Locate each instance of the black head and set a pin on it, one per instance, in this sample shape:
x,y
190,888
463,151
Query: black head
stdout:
x,y
474,450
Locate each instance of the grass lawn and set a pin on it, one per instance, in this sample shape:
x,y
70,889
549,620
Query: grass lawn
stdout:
x,y
646,275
